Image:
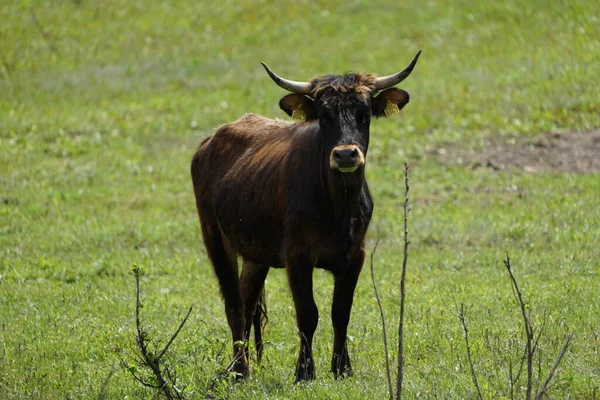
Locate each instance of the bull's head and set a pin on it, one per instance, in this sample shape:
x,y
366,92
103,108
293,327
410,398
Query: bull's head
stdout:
x,y
343,106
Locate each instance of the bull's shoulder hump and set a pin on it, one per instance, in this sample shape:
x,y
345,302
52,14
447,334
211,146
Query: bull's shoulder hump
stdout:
x,y
259,121
252,127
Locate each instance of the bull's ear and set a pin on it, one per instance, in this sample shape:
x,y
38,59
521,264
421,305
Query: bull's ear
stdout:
x,y
389,102
299,107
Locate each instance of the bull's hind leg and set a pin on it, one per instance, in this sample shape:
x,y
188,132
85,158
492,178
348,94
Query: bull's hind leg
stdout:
x,y
225,265
252,282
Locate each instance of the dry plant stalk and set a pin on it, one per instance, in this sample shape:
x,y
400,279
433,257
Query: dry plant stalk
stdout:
x,y
461,316
400,376
147,358
529,348
383,325
531,345
544,388
400,369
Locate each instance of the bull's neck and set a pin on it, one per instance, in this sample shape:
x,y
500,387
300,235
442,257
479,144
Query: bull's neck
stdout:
x,y
341,190
344,191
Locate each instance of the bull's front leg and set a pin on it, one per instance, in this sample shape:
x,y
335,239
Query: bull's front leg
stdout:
x,y
299,271
343,295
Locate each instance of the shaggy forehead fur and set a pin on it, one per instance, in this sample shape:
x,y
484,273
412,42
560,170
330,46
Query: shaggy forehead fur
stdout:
x,y
361,84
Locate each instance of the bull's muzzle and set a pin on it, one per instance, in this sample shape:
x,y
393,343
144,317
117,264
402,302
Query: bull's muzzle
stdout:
x,y
346,158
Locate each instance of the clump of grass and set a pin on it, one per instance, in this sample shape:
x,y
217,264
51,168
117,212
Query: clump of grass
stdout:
x,y
532,340
162,377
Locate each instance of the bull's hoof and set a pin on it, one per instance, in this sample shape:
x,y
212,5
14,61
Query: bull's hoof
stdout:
x,y
341,367
239,370
305,372
346,373
239,376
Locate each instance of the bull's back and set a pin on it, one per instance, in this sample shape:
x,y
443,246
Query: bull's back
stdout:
x,y
239,179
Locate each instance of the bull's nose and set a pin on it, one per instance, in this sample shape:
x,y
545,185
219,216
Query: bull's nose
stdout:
x,y
346,157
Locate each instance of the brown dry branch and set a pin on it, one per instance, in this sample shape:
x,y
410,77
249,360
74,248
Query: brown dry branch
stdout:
x,y
383,325
529,348
461,317
532,342
146,358
513,380
564,349
400,376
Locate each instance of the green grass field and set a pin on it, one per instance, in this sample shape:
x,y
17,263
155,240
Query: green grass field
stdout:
x,y
102,105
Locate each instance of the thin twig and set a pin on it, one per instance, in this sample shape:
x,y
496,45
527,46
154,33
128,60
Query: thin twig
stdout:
x,y
513,380
528,328
385,341
510,378
544,388
162,353
403,289
461,316
521,363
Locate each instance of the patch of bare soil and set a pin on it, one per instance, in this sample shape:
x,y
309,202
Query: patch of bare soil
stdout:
x,y
568,152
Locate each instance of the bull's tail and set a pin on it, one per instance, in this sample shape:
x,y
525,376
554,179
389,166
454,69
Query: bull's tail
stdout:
x,y
260,321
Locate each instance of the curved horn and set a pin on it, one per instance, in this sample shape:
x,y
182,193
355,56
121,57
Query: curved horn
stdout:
x,y
386,81
292,86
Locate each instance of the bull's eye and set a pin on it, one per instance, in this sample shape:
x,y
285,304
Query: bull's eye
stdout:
x,y
365,119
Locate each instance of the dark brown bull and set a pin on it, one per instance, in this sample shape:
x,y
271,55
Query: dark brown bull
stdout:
x,y
293,196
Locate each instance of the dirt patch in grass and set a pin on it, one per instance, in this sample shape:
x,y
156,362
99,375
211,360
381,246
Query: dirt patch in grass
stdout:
x,y
568,152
